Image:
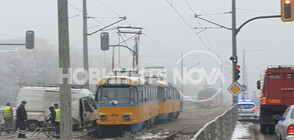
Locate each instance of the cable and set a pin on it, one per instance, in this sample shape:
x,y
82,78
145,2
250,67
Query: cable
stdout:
x,y
128,21
75,7
189,26
108,7
208,41
160,46
251,10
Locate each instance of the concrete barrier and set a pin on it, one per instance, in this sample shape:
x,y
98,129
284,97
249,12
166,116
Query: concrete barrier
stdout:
x,y
221,128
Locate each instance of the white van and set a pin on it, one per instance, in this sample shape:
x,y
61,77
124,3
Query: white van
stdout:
x,y
39,99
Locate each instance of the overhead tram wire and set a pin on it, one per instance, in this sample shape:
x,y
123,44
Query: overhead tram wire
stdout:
x,y
109,8
251,10
201,40
208,41
115,12
81,11
159,45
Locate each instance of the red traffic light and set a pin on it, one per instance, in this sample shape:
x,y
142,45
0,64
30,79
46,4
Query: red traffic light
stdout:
x,y
287,1
237,67
287,10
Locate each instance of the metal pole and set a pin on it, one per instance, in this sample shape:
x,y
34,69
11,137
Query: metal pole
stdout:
x,y
182,72
65,75
85,44
234,45
244,76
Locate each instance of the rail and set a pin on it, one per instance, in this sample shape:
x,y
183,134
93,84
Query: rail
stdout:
x,y
221,128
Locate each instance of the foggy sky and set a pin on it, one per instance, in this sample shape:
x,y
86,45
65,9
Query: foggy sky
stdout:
x,y
166,34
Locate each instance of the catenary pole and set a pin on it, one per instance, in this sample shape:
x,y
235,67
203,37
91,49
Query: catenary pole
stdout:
x,y
64,75
234,46
85,44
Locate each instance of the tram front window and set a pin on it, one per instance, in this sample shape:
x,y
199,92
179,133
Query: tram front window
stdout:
x,y
117,95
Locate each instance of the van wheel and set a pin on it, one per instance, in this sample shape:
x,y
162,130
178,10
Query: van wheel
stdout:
x,y
32,125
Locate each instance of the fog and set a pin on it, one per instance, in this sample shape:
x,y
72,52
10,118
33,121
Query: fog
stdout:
x,y
168,29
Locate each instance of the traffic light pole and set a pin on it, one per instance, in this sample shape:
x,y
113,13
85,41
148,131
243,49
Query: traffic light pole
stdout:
x,y
234,46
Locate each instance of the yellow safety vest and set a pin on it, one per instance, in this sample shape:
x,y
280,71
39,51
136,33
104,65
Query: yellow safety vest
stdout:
x,y
6,111
57,115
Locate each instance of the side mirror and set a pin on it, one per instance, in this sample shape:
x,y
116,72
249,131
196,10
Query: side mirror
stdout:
x,y
258,84
30,41
104,41
277,117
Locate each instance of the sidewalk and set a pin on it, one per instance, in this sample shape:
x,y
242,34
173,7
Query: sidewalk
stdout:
x,y
242,131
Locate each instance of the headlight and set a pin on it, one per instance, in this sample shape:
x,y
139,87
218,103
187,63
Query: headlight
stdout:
x,y
103,117
126,116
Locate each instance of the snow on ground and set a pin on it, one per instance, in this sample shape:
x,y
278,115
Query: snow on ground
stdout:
x,y
242,131
150,136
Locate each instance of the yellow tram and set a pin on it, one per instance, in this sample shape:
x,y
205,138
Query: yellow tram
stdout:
x,y
132,103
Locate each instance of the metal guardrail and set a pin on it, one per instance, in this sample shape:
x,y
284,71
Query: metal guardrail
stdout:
x,y
221,128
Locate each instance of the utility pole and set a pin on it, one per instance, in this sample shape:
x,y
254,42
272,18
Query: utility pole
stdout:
x,y
234,46
182,73
65,76
244,73
85,44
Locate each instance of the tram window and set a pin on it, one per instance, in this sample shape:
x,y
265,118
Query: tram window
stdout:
x,y
133,98
167,93
173,93
149,94
153,94
160,93
123,95
140,96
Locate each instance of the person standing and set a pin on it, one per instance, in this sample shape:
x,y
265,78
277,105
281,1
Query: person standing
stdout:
x,y
8,116
57,120
52,115
21,119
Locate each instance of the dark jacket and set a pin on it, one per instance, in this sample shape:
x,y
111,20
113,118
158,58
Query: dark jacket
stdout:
x,y
52,116
21,113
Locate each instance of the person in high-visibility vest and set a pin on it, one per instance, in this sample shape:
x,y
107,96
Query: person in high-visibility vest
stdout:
x,y
57,120
8,116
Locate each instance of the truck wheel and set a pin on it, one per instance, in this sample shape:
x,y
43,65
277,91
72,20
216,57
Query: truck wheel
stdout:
x,y
267,129
271,129
32,125
263,129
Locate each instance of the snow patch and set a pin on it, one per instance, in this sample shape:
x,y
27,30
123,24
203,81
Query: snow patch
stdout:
x,y
150,136
241,131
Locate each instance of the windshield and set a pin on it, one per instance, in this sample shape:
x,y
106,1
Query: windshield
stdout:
x,y
246,106
119,95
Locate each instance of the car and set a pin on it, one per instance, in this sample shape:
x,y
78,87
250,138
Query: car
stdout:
x,y
247,110
285,127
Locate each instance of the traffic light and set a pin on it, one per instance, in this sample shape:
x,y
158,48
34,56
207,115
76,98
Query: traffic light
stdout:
x,y
237,72
287,10
30,39
104,41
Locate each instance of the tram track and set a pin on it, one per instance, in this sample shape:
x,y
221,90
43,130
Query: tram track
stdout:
x,y
174,134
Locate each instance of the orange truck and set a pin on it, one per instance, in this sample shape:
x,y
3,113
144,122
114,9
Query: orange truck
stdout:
x,y
277,95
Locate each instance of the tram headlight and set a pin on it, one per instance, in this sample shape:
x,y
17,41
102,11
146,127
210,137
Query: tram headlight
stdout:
x,y
126,116
103,117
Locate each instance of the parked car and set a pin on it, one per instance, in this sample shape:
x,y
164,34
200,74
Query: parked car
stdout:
x,y
247,110
285,126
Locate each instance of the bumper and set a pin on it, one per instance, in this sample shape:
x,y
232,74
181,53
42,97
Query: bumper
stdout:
x,y
248,117
289,137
